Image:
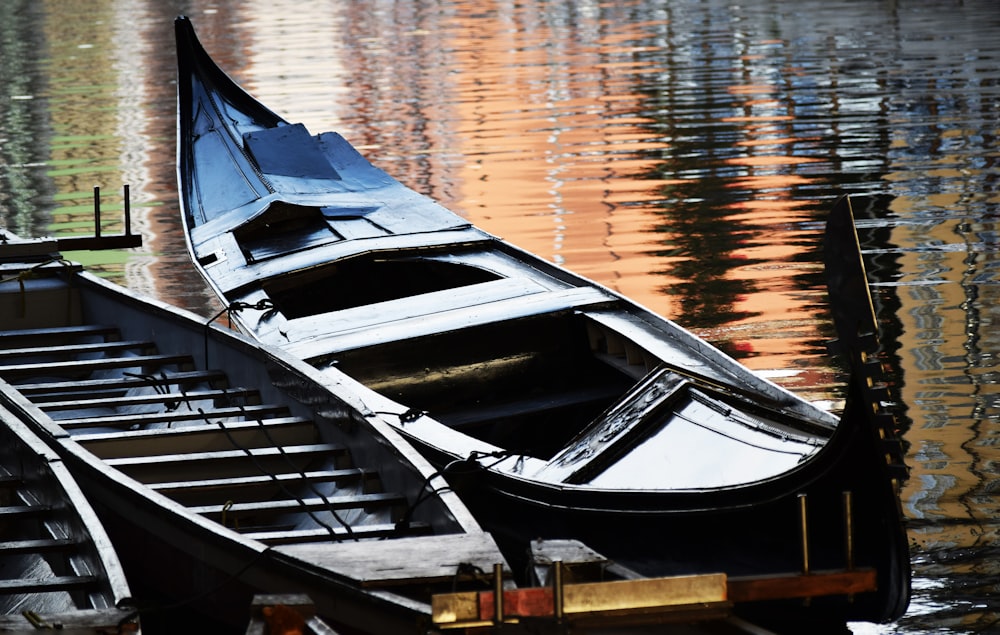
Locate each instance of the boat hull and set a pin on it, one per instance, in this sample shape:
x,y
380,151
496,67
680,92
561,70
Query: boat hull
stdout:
x,y
557,408
224,470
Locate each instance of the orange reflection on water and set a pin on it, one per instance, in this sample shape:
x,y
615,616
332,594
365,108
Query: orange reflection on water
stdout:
x,y
553,141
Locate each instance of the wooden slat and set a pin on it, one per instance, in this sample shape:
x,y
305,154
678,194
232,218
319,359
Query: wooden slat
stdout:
x,y
175,488
360,532
207,465
75,350
357,501
235,394
58,390
797,585
200,438
321,343
40,545
8,481
85,366
175,416
56,332
392,562
77,622
15,511
47,585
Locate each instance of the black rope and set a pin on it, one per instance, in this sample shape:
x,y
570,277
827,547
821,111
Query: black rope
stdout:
x,y
426,492
326,501
274,477
261,305
161,386
307,482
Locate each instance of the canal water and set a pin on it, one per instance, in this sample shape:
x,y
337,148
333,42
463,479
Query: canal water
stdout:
x,y
683,153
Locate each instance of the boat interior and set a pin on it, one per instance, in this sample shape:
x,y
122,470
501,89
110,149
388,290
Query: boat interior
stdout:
x,y
523,359
49,561
134,389
566,389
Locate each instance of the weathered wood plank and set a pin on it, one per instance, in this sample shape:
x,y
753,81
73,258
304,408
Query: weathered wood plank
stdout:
x,y
57,331
353,474
74,350
194,457
200,438
432,321
208,465
169,399
16,511
86,366
43,585
175,416
39,545
795,585
89,622
359,532
404,560
55,390
356,501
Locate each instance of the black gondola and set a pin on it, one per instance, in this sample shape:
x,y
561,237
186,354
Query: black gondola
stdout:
x,y
557,408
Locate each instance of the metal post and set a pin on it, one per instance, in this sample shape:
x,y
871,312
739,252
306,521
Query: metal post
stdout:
x,y
97,211
804,522
498,593
128,210
557,588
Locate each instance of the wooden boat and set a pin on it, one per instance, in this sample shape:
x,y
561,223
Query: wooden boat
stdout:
x,y
557,408
58,568
221,470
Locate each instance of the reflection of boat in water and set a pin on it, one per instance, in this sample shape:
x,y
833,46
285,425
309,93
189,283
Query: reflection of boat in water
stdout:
x,y
220,470
57,566
560,409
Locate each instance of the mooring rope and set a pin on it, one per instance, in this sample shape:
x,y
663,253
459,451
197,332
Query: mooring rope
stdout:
x,y
232,440
261,305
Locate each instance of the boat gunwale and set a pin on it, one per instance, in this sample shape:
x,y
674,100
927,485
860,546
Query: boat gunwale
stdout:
x,y
113,583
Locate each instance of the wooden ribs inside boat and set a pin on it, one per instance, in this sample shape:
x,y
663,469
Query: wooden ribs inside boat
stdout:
x,y
189,434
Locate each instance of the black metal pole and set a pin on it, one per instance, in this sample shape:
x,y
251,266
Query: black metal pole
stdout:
x,y
97,211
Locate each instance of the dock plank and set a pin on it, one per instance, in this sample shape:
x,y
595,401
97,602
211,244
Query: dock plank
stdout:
x,y
401,561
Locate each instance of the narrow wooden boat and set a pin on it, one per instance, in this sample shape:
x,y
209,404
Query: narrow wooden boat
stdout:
x,y
220,470
557,408
58,568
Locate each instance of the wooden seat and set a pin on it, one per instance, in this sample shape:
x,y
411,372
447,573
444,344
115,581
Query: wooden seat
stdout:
x,y
205,491
228,463
58,333
43,392
172,416
283,431
75,350
47,585
361,532
12,512
37,545
85,367
155,398
357,501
